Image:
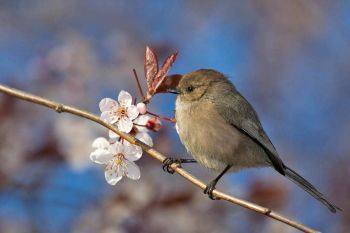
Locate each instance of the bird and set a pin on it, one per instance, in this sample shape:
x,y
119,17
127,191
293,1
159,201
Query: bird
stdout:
x,y
222,131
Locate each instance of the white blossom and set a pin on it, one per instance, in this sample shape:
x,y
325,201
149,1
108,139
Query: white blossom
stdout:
x,y
119,159
121,112
141,132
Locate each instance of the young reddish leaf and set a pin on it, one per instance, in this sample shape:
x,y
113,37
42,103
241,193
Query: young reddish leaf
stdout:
x,y
162,72
150,66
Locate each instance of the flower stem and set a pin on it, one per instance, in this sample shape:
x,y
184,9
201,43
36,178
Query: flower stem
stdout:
x,y
138,84
171,119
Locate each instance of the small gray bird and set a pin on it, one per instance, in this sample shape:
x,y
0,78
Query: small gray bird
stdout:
x,y
222,131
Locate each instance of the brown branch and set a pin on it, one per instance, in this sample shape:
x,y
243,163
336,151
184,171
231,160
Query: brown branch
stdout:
x,y
58,107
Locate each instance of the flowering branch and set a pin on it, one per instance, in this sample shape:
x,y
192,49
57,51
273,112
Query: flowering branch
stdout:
x,y
58,107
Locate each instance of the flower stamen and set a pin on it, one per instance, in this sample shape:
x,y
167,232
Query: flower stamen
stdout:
x,y
121,112
120,165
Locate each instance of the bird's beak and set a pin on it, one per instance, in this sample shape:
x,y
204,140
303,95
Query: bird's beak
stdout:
x,y
174,91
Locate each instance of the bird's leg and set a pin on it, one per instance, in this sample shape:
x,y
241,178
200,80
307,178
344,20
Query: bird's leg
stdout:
x,y
211,186
169,161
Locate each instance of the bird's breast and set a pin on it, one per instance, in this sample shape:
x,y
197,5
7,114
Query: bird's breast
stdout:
x,y
205,134
212,141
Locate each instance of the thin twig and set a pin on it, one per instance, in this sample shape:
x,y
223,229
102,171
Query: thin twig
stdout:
x,y
171,119
138,84
58,107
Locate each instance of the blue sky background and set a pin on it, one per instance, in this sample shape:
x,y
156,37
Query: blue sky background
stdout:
x,y
290,60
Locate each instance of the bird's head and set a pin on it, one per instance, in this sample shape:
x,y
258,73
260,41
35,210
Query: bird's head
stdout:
x,y
200,84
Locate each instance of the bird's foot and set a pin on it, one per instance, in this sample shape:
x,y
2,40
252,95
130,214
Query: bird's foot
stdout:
x,y
209,190
167,164
169,161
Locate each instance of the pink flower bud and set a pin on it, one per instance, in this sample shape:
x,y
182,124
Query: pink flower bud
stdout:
x,y
154,124
142,108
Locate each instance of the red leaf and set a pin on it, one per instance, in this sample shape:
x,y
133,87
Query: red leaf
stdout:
x,y
150,66
162,72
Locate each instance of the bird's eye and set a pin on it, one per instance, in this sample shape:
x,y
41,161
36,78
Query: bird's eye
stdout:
x,y
190,88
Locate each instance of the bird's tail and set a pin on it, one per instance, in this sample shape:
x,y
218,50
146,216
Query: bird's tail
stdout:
x,y
304,184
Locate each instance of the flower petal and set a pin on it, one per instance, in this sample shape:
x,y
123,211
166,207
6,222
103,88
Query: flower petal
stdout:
x,y
133,171
113,135
125,125
132,112
114,119
116,148
124,99
108,104
132,152
145,138
112,177
100,143
141,122
107,116
101,156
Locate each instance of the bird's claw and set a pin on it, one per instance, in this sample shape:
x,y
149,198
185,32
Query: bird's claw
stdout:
x,y
167,164
209,190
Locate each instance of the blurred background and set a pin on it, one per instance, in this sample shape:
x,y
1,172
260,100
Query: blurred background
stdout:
x,y
290,59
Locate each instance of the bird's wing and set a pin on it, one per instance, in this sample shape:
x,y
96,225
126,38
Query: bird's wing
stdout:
x,y
237,111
